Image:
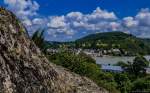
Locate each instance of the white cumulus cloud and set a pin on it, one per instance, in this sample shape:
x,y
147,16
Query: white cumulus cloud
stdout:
x,y
77,24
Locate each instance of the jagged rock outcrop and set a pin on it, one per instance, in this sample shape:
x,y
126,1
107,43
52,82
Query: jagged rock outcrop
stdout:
x,y
24,69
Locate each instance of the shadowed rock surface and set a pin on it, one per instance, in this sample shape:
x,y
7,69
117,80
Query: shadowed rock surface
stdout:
x,y
24,69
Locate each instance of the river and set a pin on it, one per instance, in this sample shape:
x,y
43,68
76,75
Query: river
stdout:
x,y
114,59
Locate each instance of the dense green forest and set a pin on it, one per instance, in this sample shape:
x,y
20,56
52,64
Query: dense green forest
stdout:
x,y
126,43
133,79
119,40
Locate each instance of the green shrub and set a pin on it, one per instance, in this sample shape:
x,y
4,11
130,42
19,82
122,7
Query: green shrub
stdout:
x,y
142,84
85,66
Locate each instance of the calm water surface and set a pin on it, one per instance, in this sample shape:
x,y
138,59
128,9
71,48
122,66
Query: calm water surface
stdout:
x,y
113,60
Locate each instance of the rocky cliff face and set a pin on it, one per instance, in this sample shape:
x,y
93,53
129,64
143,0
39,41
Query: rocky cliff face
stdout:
x,y
24,69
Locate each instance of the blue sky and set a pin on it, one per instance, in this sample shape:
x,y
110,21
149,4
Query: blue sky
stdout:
x,y
122,8
71,19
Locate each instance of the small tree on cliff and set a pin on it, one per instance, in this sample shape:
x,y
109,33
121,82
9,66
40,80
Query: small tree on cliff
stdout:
x,y
39,40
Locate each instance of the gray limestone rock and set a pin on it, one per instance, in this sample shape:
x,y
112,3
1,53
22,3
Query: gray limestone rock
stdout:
x,y
24,69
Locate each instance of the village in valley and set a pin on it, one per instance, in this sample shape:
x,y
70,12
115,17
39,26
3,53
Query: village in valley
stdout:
x,y
98,53
91,52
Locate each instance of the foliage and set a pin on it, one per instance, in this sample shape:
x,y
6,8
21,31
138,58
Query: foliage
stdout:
x,y
87,58
142,84
124,84
137,68
85,66
139,65
135,80
38,38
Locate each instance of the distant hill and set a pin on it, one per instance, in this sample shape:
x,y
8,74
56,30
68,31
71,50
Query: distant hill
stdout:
x,y
119,40
128,44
